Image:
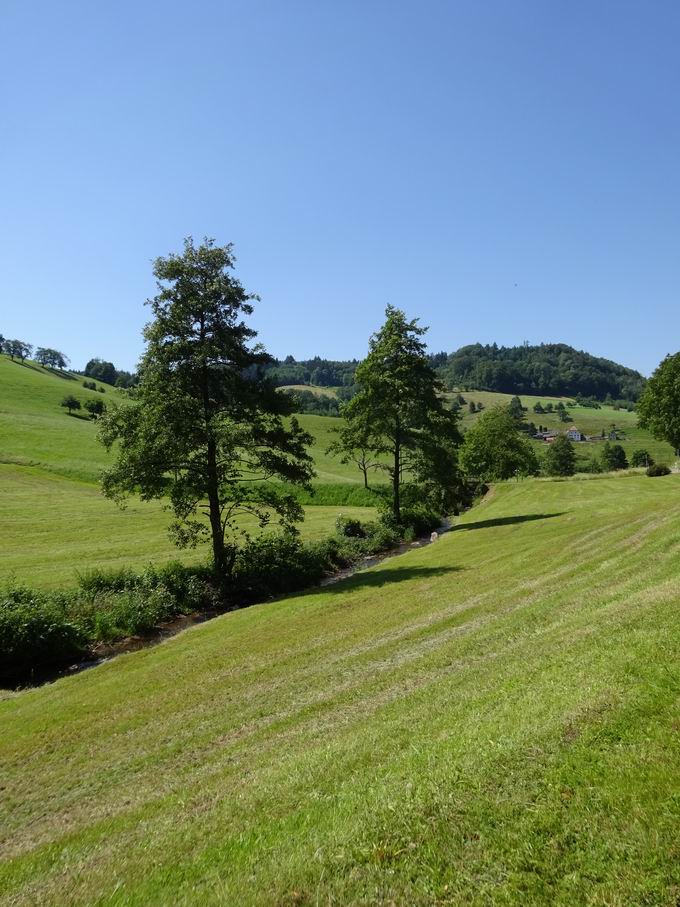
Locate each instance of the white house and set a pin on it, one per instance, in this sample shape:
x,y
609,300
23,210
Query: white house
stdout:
x,y
574,434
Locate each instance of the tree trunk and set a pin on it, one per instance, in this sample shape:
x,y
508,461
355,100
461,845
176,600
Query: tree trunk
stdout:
x,y
219,554
365,472
396,479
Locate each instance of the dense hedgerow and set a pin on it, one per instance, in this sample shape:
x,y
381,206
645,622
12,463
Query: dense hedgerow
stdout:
x,y
42,632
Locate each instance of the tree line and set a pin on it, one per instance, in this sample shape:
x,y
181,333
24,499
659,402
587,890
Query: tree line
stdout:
x,y
46,356
544,369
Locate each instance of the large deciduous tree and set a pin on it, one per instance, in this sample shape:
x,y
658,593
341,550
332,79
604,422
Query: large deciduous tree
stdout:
x,y
398,413
205,429
494,449
659,407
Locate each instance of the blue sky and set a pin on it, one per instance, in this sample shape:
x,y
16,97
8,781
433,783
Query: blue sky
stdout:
x,y
506,171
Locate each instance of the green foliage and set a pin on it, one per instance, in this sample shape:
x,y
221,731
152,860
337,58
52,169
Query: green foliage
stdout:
x,y
494,449
550,369
349,527
658,469
516,409
641,457
204,423
36,633
17,349
560,457
613,457
50,358
95,408
71,403
353,443
317,371
399,412
659,407
308,402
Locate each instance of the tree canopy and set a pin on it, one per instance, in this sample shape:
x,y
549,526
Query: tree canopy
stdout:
x,y
494,449
398,414
560,457
553,369
659,407
205,428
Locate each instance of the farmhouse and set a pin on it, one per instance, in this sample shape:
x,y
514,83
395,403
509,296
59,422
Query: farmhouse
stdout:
x,y
575,435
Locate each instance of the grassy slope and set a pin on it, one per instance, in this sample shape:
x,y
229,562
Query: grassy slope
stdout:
x,y
491,719
589,421
52,527
36,431
312,388
55,520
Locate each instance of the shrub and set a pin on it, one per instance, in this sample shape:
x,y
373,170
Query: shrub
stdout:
x,y
420,519
36,633
350,528
275,564
658,469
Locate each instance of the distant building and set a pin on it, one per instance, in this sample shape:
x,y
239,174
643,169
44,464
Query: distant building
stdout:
x,y
575,435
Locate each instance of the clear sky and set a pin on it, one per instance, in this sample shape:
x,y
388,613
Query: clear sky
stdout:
x,y
506,171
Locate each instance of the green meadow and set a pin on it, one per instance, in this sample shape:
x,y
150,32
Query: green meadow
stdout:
x,y
587,420
488,720
55,519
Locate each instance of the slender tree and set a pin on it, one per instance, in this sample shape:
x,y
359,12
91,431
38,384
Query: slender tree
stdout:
x,y
399,411
353,445
205,429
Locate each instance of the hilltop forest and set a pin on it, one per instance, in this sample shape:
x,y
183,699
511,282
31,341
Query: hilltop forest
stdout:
x,y
551,369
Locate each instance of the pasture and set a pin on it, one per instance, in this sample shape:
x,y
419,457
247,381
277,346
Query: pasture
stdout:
x,y
490,719
55,520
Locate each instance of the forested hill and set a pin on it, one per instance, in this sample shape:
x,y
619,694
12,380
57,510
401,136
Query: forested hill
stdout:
x,y
553,369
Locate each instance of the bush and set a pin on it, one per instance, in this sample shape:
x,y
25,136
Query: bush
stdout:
x,y
420,520
350,528
276,564
36,633
658,469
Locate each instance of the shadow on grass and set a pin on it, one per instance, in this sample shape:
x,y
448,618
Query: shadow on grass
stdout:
x,y
58,373
374,579
507,521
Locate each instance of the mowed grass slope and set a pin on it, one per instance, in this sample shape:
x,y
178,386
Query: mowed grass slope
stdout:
x,y
492,719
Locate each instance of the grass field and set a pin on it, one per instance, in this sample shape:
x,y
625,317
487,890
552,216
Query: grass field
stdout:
x,y
312,389
587,420
489,720
53,527
55,520
36,431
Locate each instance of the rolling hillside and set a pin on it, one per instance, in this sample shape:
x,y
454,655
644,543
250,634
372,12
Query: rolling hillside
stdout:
x,y
55,519
589,421
489,720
